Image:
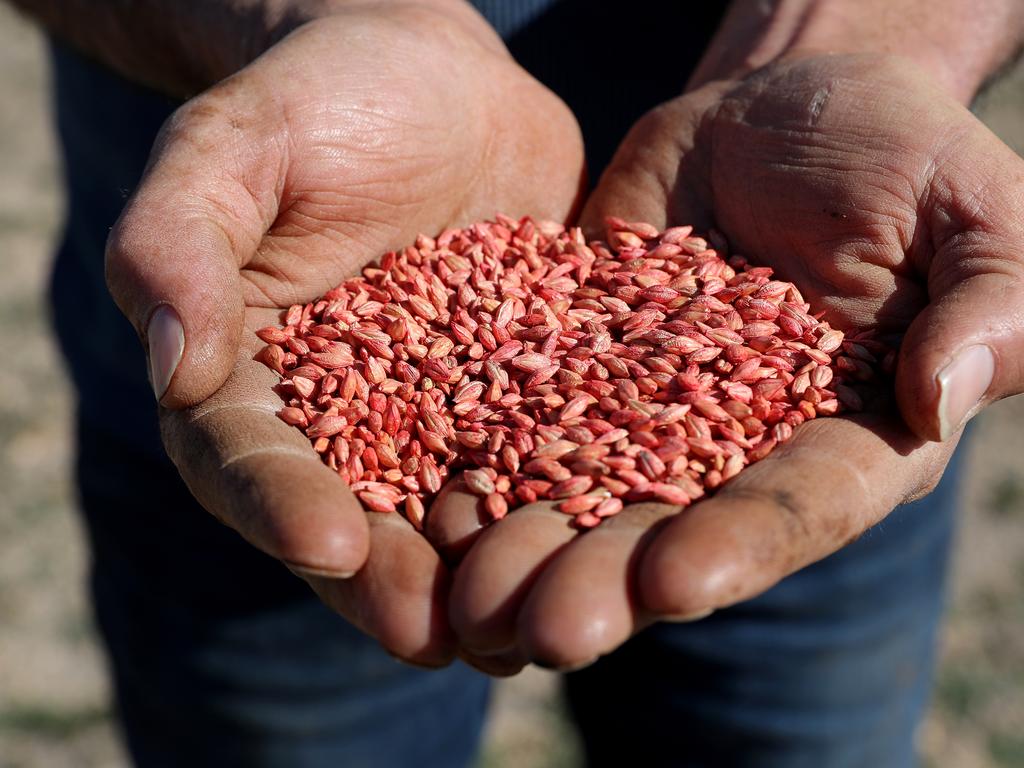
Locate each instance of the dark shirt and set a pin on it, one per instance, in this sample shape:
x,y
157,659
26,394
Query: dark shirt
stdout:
x,y
610,61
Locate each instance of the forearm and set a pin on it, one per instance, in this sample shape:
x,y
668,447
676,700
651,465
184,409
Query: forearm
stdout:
x,y
183,46
960,43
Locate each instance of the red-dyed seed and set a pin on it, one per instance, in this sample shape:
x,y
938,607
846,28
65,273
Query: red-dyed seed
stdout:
x,y
608,507
414,511
429,477
377,502
496,506
573,486
582,503
645,367
478,482
670,494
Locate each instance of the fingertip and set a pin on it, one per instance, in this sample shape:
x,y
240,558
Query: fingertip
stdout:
x,y
692,567
937,397
400,596
182,292
963,385
550,645
498,573
507,664
338,554
917,392
329,545
455,521
294,509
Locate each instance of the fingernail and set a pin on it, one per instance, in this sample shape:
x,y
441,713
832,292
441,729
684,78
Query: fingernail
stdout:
x,y
303,571
166,345
962,384
685,617
483,654
417,664
575,667
560,667
496,666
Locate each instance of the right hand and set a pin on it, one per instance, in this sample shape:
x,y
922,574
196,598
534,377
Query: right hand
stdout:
x,y
344,140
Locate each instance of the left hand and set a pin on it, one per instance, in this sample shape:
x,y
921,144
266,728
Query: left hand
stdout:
x,y
335,145
891,207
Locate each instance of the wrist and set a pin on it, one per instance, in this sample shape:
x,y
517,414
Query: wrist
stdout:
x,y
959,46
279,18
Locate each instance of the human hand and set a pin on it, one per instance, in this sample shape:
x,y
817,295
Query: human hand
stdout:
x,y
892,208
344,140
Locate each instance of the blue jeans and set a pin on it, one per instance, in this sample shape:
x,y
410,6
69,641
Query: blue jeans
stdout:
x,y
221,657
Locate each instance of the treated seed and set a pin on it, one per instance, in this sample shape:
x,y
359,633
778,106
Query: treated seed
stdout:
x,y
650,465
555,449
429,477
293,417
496,506
327,426
573,486
608,507
670,494
548,468
377,502
478,482
574,408
644,367
414,510
582,503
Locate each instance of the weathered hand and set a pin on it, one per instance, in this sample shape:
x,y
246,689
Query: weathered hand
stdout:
x,y
344,140
891,207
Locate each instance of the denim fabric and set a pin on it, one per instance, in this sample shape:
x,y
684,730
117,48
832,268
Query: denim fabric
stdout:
x,y
832,668
221,657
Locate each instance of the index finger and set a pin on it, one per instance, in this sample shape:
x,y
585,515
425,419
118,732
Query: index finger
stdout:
x,y
817,493
260,477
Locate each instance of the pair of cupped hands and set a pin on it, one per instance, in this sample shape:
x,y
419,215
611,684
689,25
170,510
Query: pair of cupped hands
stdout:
x,y
856,177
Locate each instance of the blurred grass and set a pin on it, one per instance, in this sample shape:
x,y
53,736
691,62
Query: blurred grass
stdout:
x,y
1007,749
51,723
1007,496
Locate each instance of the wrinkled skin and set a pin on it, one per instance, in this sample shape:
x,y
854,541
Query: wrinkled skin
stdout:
x,y
344,140
891,207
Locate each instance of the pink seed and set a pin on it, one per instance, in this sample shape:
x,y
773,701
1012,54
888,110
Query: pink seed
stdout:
x,y
478,482
670,494
496,506
293,417
648,366
414,512
608,507
573,486
582,503
376,502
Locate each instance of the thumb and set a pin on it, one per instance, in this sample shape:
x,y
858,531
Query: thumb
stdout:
x,y
661,172
173,258
637,184
961,353
966,348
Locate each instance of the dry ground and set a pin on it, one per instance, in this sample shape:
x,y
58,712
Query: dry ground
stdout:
x,y
53,694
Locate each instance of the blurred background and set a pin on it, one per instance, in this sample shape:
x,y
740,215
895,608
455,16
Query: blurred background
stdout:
x,y
54,709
